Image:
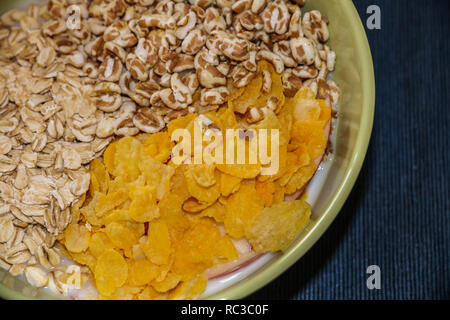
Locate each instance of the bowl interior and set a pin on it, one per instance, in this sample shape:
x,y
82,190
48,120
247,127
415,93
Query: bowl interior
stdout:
x,y
354,75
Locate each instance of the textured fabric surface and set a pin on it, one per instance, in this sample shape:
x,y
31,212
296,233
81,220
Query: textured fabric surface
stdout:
x,y
398,214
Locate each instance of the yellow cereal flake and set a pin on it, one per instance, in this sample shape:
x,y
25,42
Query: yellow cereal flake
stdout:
x,y
111,272
156,174
100,174
94,186
179,291
117,216
235,92
307,110
243,171
249,99
109,157
84,258
325,111
240,209
216,211
143,206
118,183
311,133
169,282
278,195
136,251
203,174
274,228
137,228
77,238
88,212
99,243
204,194
127,157
197,287
192,205
158,146
276,92
158,246
303,93
226,118
164,269
150,294
199,249
142,272
300,178
266,189
180,123
123,293
122,236
229,184
107,202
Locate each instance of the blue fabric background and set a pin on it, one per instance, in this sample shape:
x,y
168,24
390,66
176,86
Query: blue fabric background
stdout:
x,y
397,215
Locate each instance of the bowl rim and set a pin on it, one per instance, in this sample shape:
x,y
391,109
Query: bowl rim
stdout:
x,y
276,268
292,255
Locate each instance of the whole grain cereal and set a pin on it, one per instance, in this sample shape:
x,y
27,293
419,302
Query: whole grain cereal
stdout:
x,y
144,68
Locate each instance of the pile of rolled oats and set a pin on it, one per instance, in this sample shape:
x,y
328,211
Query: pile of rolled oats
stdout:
x,y
74,74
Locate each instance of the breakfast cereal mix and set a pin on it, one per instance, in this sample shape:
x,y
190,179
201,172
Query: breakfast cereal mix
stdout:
x,y
88,167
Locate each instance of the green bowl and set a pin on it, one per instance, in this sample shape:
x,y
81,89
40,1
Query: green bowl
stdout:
x,y
354,74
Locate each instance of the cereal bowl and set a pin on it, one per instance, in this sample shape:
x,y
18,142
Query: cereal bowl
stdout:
x,y
330,186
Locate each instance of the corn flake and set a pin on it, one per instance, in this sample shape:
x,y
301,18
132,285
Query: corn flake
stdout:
x,y
216,211
150,294
99,243
123,293
274,228
203,194
77,238
241,207
107,202
100,174
158,146
122,236
84,258
142,272
111,272
197,287
229,184
170,282
143,206
203,174
192,205
158,246
156,174
127,158
249,99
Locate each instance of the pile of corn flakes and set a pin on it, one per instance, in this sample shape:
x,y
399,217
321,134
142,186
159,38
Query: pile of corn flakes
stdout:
x,y
149,228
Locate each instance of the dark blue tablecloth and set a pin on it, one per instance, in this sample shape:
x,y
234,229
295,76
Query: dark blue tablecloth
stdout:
x,y
398,214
